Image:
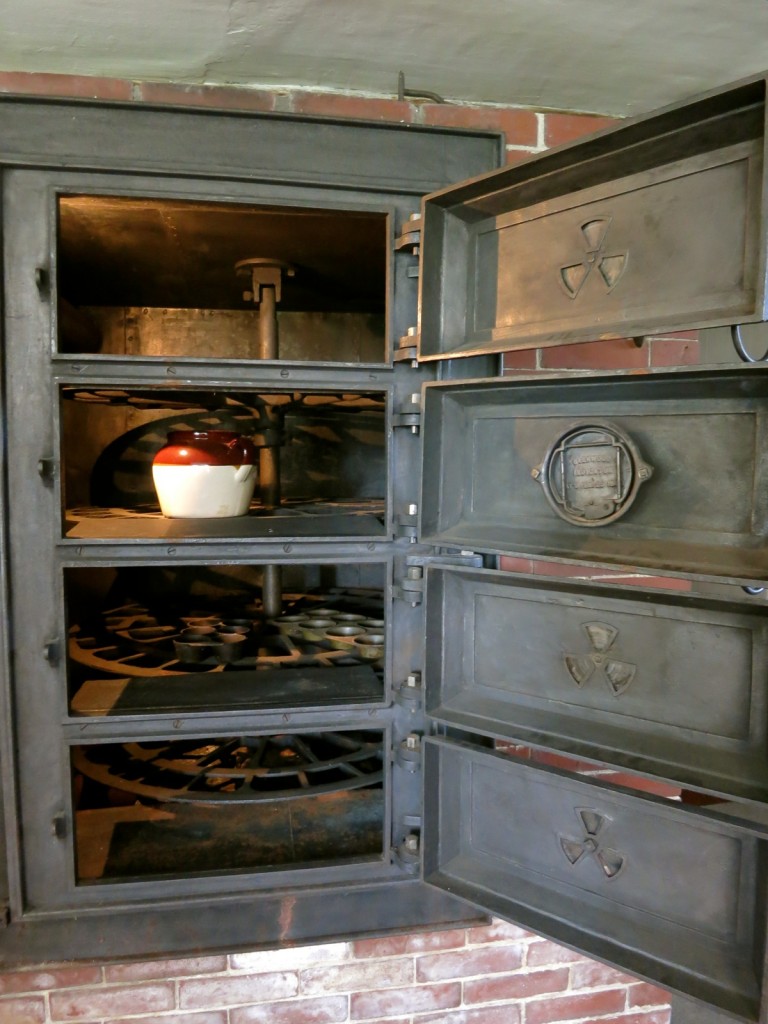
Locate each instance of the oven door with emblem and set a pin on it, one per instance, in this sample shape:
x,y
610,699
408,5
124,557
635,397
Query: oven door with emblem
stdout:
x,y
653,225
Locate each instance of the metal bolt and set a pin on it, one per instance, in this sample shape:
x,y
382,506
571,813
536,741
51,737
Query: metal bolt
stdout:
x,y
413,679
410,332
413,510
414,572
412,843
412,741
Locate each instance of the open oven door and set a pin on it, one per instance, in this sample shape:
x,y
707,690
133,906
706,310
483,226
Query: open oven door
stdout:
x,y
670,893
650,226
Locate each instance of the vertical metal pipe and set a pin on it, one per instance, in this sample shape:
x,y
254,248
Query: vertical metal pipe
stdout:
x,y
272,590
268,348
269,456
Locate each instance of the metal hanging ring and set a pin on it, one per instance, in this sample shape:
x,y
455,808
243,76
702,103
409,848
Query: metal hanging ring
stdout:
x,y
738,344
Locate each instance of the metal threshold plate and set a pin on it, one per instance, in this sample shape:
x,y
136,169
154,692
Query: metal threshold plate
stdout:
x,y
664,684
665,471
657,889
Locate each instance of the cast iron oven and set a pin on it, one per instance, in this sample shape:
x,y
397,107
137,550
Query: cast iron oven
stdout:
x,y
295,723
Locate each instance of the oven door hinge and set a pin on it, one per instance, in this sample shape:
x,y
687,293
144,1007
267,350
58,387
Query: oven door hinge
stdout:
x,y
408,853
407,347
408,753
410,585
409,414
410,693
407,523
409,239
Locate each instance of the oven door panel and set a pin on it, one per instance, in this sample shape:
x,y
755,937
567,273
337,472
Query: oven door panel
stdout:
x,y
666,892
668,684
604,238
664,471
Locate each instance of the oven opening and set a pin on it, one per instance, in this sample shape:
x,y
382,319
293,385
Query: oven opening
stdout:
x,y
154,640
174,278
154,463
181,807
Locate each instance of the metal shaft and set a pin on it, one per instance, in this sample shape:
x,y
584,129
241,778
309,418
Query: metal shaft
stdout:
x,y
272,590
269,476
268,348
269,457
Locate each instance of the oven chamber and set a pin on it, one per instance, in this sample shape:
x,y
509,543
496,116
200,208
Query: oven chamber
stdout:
x,y
230,707
256,720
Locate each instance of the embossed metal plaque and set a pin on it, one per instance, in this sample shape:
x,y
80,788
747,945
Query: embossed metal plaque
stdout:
x,y
665,891
656,224
664,683
703,511
591,473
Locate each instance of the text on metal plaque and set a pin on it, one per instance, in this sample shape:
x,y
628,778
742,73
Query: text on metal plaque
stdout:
x,y
591,473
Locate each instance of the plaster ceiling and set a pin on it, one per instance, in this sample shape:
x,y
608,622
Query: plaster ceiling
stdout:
x,y
606,56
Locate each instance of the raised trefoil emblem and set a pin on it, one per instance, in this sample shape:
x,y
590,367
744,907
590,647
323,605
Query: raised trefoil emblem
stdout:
x,y
581,667
576,850
609,266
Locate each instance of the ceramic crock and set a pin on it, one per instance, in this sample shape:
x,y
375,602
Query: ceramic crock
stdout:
x,y
205,474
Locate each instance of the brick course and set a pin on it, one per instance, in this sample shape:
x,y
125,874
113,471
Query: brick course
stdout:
x,y
497,974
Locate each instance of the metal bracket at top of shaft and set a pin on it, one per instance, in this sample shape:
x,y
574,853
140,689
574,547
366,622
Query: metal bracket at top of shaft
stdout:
x,y
264,272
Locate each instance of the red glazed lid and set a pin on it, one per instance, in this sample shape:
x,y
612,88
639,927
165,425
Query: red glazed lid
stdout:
x,y
206,448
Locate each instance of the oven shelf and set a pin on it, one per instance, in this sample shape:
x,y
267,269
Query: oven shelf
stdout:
x,y
295,518
217,690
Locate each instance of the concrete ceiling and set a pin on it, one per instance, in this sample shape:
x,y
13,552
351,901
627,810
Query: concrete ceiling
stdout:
x,y
605,56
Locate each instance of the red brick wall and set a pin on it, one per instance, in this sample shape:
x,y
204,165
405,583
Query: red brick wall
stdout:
x,y
494,975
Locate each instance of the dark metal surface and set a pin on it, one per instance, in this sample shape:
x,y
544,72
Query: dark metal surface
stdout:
x,y
701,512
661,890
661,683
246,921
604,238
348,156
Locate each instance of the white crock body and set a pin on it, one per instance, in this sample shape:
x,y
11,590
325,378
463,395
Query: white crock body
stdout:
x,y
204,492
